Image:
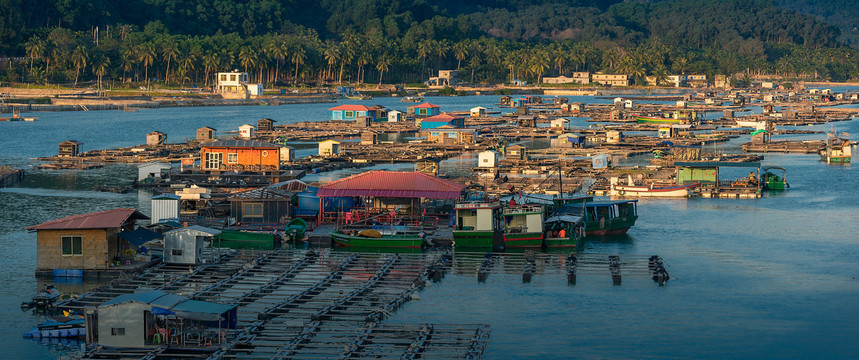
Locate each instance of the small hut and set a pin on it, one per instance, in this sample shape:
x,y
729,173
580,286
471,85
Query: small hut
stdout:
x,y
329,148
184,246
265,125
517,152
246,131
368,137
70,148
155,138
205,133
287,154
487,159
151,170
165,207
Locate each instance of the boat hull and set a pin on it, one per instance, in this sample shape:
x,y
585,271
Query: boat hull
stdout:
x,y
836,159
650,120
644,191
616,226
386,241
473,239
566,242
514,240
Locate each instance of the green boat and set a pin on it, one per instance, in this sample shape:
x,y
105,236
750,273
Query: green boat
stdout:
x,y
773,181
295,229
563,230
836,150
610,217
236,239
478,224
523,225
372,238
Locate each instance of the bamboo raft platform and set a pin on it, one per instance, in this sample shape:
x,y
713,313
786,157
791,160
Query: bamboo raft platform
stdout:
x,y
306,304
785,146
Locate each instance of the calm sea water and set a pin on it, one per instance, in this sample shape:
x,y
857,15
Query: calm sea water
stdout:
x,y
766,278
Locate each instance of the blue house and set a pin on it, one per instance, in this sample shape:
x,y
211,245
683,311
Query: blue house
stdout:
x,y
442,120
426,109
351,112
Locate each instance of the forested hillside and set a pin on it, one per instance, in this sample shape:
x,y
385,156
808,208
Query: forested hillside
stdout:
x,y
394,41
843,14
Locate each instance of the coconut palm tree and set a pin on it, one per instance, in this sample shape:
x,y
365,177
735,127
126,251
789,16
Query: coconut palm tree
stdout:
x,y
382,67
79,60
298,57
34,48
128,57
460,52
347,53
146,56
100,67
332,56
186,63
210,63
170,51
277,50
247,57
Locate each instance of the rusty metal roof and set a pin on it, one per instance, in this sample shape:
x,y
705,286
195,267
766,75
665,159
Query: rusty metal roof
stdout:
x,y
98,220
393,184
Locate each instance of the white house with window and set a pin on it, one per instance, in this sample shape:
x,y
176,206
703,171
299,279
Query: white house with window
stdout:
x,y
184,246
234,85
246,131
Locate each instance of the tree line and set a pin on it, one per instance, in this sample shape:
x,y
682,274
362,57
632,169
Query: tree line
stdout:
x,y
407,44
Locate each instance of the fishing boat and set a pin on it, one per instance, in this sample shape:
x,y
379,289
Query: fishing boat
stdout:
x,y
44,298
563,230
239,239
67,326
836,150
651,190
756,124
610,217
295,229
372,238
771,180
523,225
478,223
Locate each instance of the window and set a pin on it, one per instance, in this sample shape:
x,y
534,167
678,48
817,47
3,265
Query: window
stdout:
x,y
117,331
224,77
232,78
452,135
435,133
176,252
72,245
212,160
348,114
252,210
232,158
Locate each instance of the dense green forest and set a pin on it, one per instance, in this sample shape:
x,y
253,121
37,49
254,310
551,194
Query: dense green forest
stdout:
x,y
182,42
843,14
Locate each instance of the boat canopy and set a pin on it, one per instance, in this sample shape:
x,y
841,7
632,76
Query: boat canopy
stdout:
x,y
564,218
772,167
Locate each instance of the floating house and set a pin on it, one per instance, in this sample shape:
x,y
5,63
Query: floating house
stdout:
x,y
156,319
69,148
329,148
706,172
568,140
437,121
165,207
184,246
287,154
424,110
265,205
560,124
155,138
151,170
265,124
395,116
478,111
206,133
517,152
240,155
388,190
84,241
487,159
379,112
246,131
451,136
368,137
351,112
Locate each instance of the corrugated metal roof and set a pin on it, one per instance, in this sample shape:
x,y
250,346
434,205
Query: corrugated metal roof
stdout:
x,y
143,297
139,236
393,184
268,192
442,117
426,105
97,220
196,228
240,143
351,107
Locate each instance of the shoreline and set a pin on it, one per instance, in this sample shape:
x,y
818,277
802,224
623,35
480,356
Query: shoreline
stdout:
x,y
133,105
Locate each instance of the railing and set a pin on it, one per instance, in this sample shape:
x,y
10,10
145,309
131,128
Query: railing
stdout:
x,y
522,209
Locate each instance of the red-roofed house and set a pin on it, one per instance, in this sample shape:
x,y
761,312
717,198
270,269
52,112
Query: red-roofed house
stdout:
x,y
351,112
425,109
387,190
84,241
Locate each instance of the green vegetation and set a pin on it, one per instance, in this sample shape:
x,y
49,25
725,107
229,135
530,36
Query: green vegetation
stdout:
x,y
180,43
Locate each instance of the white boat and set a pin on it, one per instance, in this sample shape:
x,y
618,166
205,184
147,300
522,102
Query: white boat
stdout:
x,y
632,190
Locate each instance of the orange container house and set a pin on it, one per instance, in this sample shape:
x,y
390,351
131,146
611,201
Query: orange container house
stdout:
x,y
240,155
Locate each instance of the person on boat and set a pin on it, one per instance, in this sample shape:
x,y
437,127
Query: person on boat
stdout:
x,y
512,202
562,233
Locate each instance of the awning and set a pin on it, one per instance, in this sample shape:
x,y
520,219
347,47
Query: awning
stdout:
x,y
201,310
139,236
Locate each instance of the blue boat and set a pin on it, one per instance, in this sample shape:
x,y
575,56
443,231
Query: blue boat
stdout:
x,y
71,326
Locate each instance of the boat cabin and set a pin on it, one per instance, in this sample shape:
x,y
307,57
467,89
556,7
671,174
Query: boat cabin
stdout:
x,y
184,246
527,218
478,216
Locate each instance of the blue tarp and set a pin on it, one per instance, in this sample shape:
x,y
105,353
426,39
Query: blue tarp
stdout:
x,y
139,236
